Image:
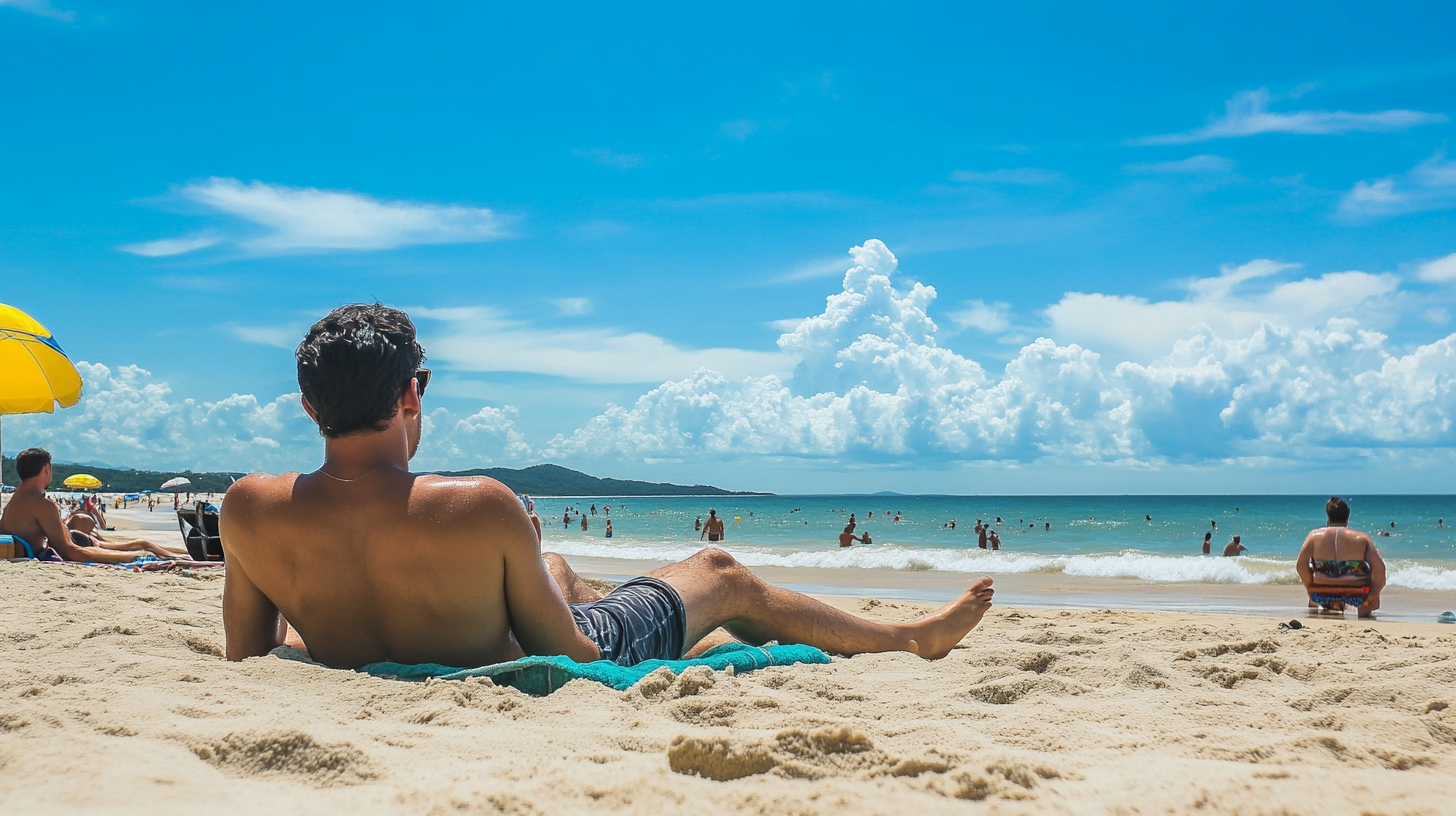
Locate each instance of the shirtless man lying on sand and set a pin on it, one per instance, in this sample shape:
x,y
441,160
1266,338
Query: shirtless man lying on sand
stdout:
x,y
370,562
37,519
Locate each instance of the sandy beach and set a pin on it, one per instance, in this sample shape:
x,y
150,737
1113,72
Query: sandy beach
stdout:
x,y
116,700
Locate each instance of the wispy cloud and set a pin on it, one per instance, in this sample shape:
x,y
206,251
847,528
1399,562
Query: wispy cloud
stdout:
x,y
611,158
41,8
483,339
1008,175
988,318
1441,269
817,268
1202,163
739,129
572,307
1430,185
305,219
284,337
173,246
1247,114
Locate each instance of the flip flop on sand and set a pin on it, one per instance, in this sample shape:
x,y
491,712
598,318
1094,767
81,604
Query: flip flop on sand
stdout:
x,y
1294,624
1446,617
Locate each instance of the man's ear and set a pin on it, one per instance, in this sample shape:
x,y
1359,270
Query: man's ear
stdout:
x,y
410,399
308,409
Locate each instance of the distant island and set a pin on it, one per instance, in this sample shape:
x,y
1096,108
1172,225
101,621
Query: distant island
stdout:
x,y
537,480
555,480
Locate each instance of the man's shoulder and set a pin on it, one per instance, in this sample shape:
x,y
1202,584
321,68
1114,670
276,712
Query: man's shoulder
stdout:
x,y
463,492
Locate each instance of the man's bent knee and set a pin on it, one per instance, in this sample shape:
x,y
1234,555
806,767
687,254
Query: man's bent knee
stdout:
x,y
717,559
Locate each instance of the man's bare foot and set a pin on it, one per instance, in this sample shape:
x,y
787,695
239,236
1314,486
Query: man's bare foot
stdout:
x,y
933,636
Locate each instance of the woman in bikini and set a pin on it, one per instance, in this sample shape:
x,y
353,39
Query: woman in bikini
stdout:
x,y
1341,566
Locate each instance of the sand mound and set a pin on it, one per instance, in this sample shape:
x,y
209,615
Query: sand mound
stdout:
x,y
288,752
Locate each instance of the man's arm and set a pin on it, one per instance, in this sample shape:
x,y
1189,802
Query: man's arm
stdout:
x,y
251,621
540,619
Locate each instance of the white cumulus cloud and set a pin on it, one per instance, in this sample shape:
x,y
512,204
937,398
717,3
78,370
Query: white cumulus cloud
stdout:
x,y
281,219
1441,269
873,384
1248,114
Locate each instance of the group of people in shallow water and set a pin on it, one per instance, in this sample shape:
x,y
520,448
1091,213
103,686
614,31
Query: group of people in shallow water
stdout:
x,y
585,525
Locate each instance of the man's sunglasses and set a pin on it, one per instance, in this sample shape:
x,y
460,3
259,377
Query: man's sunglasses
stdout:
x,y
422,377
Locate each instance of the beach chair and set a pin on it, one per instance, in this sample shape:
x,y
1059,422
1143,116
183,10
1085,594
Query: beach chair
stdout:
x,y
200,532
15,548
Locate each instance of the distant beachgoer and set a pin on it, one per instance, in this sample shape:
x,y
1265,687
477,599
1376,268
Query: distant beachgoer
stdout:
x,y
995,541
952,524
846,537
583,523
852,524
981,536
1148,517
1214,523
998,519
897,517
1440,522
609,528
593,509
1049,526
566,519
1234,548
1207,543
697,524
713,527
1392,525
1338,565
865,537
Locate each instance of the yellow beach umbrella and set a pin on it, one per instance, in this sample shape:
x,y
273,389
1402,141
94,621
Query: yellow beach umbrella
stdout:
x,y
82,481
34,373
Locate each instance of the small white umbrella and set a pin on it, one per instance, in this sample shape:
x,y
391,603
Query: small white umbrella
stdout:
x,y
174,484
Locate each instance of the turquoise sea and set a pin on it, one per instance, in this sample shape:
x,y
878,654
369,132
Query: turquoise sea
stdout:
x,y
1092,536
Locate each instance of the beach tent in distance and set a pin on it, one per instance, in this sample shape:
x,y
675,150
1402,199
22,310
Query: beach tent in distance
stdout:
x,y
35,374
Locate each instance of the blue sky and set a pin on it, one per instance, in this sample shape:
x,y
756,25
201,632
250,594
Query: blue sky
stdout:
x,y
1198,249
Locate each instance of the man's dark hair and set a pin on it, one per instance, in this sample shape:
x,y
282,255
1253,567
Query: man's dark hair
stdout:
x,y
354,364
31,461
1337,511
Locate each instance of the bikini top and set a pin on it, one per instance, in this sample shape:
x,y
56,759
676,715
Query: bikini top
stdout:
x,y
1337,568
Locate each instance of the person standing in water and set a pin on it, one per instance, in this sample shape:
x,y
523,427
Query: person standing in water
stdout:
x,y
609,528
1234,548
981,535
1208,543
995,541
713,527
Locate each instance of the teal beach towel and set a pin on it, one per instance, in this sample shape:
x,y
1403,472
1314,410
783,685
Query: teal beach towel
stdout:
x,y
542,675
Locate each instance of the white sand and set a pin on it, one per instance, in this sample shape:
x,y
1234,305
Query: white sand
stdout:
x,y
113,699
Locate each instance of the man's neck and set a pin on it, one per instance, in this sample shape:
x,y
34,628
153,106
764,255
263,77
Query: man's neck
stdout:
x,y
349,457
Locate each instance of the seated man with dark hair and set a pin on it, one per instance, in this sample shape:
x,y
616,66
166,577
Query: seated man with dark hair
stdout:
x,y
1340,566
37,520
370,562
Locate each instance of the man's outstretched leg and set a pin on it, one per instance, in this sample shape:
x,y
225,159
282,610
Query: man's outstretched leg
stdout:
x,y
718,591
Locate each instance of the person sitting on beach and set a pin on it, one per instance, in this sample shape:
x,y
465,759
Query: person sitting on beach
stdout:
x,y
1338,565
36,519
713,527
1234,547
369,562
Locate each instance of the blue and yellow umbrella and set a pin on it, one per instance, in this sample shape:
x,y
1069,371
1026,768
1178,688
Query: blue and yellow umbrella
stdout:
x,y
35,375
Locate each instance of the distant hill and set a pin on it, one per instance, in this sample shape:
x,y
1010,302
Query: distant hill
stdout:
x,y
115,480
537,480
554,480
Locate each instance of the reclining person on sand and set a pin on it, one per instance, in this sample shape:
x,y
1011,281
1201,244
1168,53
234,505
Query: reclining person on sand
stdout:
x,y
370,562
1340,566
32,517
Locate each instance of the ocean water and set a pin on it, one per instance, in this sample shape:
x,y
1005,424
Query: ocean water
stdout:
x,y
1098,536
